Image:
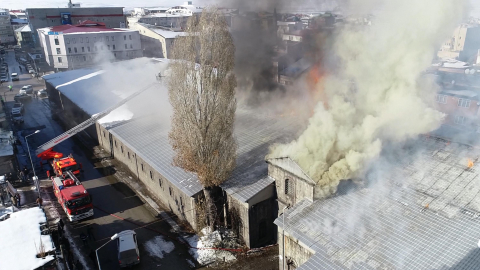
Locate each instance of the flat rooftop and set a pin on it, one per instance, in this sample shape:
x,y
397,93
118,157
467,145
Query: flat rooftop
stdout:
x,y
422,214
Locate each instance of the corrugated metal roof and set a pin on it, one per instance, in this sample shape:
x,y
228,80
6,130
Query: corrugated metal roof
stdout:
x,y
425,215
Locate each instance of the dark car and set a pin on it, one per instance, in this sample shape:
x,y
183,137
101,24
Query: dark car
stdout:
x,y
22,97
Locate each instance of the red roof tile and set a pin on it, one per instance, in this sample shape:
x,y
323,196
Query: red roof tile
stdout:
x,y
86,26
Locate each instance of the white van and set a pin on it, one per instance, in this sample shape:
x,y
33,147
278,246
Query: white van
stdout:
x,y
128,253
15,77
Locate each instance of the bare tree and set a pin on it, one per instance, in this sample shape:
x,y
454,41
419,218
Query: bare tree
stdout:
x,y
202,93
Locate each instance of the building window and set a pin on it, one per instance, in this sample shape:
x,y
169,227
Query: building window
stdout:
x,y
115,54
83,49
287,186
113,38
126,46
94,39
460,119
121,148
69,50
130,37
113,46
160,182
59,59
108,47
115,144
67,40
151,175
59,51
181,201
142,167
463,102
57,42
442,99
128,154
75,49
84,58
86,39
170,191
74,40
131,46
124,37
107,38
104,134
101,39
88,49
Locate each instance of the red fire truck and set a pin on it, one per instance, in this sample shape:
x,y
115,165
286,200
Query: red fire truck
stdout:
x,y
72,196
61,166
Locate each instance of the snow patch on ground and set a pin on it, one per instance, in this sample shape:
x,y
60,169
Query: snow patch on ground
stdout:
x,y
200,248
21,240
158,247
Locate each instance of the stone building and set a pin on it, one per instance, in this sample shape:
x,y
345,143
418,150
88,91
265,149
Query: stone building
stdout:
x,y
24,36
156,41
463,45
136,135
419,215
82,45
6,31
112,17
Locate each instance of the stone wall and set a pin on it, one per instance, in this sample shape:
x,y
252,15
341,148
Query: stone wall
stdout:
x,y
297,190
296,253
166,193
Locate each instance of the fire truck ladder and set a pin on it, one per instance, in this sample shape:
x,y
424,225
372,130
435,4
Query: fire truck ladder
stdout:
x,y
74,178
62,137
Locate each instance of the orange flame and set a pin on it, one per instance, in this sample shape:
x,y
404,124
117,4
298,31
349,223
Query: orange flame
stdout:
x,y
470,163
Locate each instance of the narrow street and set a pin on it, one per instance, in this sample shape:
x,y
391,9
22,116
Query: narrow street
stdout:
x,y
117,207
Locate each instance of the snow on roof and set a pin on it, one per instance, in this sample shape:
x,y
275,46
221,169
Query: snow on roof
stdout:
x,y
461,93
451,63
25,28
105,87
167,33
21,238
423,214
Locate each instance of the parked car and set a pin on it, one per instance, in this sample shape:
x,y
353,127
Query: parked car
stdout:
x,y
17,117
15,77
4,78
18,107
42,93
27,89
31,71
22,97
128,253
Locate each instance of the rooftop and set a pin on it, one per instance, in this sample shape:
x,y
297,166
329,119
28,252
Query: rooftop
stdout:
x,y
138,125
25,28
163,32
422,214
86,26
20,244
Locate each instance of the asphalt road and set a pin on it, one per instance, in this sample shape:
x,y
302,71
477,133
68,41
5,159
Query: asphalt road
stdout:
x,y
117,206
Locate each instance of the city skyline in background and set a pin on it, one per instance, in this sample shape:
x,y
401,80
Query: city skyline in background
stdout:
x,y
12,4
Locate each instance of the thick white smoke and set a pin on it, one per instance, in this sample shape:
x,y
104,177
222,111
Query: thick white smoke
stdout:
x,y
377,95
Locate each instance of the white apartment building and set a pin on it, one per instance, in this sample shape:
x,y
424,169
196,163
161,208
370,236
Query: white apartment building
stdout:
x,y
6,31
85,44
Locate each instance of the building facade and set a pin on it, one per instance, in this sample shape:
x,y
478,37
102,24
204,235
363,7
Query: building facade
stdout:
x,y
156,41
78,46
24,36
6,32
462,108
463,45
112,17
